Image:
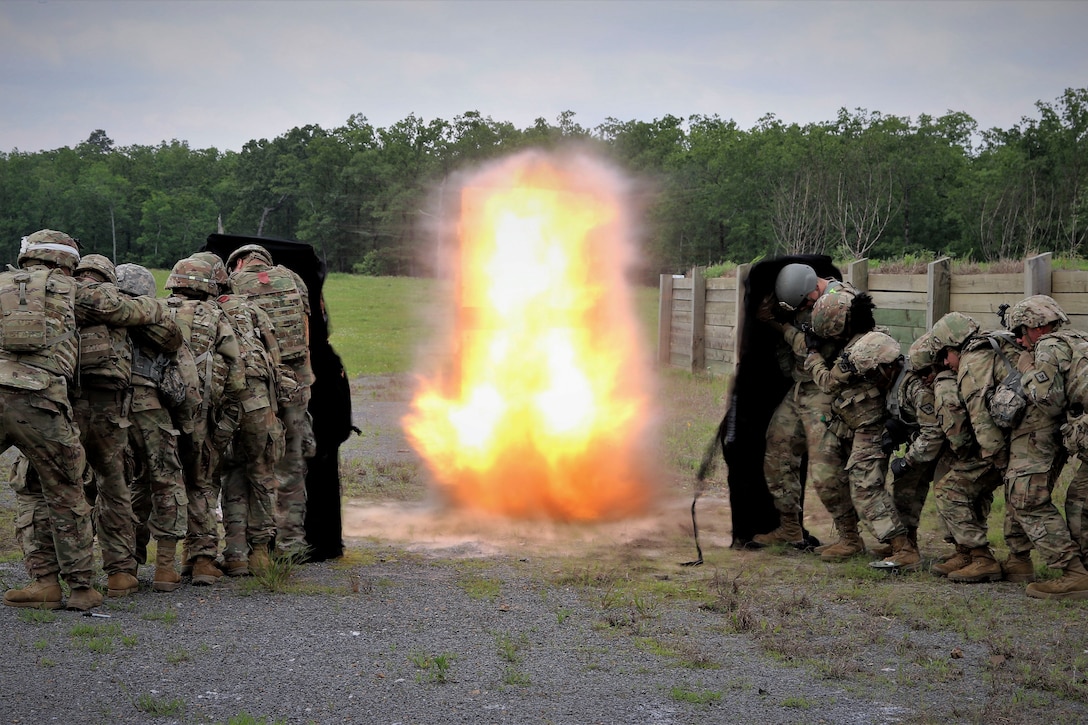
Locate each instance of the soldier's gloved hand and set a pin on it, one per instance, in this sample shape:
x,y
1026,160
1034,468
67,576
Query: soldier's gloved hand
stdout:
x,y
895,432
899,466
846,364
812,341
765,314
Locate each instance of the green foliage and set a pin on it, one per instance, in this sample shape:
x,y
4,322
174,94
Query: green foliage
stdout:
x,y
694,697
159,706
861,184
432,668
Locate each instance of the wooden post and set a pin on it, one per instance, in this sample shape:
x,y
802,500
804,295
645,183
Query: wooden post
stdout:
x,y
1037,274
938,290
739,299
698,320
858,274
664,319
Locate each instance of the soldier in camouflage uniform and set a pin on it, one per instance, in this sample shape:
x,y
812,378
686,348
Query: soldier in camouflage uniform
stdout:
x,y
926,450
860,380
209,336
283,296
37,363
798,423
105,368
1054,369
254,443
158,488
979,445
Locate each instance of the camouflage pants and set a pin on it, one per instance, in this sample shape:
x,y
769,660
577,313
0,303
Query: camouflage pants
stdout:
x,y
910,490
104,431
291,480
1036,457
249,485
1076,499
201,492
159,502
964,496
53,516
799,425
867,468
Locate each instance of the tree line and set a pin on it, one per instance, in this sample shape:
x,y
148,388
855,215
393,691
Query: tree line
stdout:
x,y
862,184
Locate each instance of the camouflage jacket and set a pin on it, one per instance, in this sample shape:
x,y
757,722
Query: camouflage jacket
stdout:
x,y
1057,377
917,405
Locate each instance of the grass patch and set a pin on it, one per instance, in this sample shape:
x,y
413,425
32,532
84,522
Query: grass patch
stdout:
x,y
432,668
167,616
694,697
159,706
478,587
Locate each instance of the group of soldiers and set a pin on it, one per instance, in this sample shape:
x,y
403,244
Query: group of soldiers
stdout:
x,y
139,417
967,410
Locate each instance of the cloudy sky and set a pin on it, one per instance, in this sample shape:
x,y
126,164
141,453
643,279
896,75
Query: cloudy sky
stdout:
x,y
222,73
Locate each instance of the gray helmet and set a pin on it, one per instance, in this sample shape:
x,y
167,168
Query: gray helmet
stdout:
x,y
97,263
135,280
874,349
831,313
794,283
249,250
922,353
1035,311
194,274
953,330
53,247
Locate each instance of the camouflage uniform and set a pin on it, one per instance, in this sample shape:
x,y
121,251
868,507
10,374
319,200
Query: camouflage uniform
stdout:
x,y
925,450
36,417
1055,380
859,413
283,296
248,471
158,489
105,315
211,340
799,425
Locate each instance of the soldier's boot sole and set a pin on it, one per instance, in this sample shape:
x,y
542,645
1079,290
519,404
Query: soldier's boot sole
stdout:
x,y
35,596
1067,587
969,576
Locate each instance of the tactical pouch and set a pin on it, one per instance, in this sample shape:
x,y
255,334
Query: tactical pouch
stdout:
x,y
1007,401
1075,435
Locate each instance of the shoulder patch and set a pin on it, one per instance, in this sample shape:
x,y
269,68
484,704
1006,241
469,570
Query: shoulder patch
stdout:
x,y
1041,377
927,408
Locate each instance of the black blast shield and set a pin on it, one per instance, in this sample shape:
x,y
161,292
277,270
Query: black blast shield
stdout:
x,y
758,387
330,401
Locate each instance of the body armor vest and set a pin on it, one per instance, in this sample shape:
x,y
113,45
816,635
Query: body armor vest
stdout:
x,y
40,328
275,291
105,357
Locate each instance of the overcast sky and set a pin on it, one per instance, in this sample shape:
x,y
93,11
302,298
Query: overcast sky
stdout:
x,y
223,73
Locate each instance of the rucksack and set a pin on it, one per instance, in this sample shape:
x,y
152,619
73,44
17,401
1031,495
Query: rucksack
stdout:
x,y
24,312
1007,402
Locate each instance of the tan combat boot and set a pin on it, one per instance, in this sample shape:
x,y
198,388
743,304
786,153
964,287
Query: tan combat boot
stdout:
x,y
166,578
1073,584
186,562
236,567
205,572
83,598
983,568
1018,568
959,559
849,543
259,560
788,532
904,555
121,584
43,593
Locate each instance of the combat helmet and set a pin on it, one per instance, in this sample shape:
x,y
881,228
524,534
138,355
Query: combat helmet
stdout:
x,y
874,349
135,280
953,330
1035,311
793,283
922,353
50,246
219,270
97,263
247,250
831,313
194,274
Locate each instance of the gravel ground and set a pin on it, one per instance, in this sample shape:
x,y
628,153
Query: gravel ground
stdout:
x,y
437,618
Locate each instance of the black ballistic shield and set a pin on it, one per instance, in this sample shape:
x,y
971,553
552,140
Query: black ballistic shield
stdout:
x,y
758,387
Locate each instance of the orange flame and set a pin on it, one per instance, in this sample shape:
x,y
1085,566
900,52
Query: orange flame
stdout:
x,y
551,415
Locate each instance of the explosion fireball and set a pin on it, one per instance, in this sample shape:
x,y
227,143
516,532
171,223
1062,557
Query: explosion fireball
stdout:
x,y
549,414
